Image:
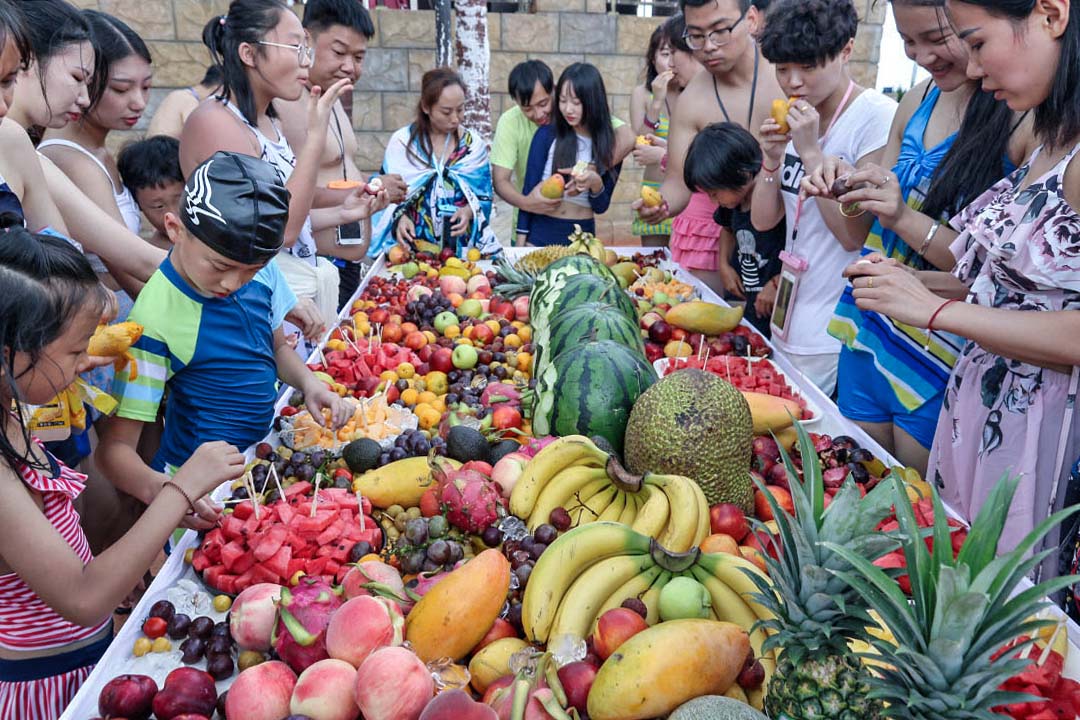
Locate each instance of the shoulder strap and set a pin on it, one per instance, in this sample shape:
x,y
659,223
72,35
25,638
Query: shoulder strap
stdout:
x,y
61,142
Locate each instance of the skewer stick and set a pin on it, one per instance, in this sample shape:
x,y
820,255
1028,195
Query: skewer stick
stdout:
x,y
277,481
315,494
249,482
727,366
360,509
1050,644
708,349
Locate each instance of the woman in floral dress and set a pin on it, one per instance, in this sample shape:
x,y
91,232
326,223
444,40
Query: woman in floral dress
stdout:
x,y
1009,405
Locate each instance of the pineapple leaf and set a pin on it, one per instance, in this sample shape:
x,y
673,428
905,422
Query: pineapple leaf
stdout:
x,y
803,503
942,542
988,525
870,547
882,593
1029,541
953,632
917,556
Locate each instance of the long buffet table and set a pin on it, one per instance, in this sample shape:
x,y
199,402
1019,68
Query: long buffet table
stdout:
x,y
176,579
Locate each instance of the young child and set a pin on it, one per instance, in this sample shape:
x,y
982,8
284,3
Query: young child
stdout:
x,y
150,170
56,598
581,137
830,115
724,162
212,334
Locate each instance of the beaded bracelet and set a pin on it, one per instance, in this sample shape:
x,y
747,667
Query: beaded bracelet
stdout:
x,y
177,488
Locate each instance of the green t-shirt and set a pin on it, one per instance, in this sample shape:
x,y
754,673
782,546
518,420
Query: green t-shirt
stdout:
x,y
510,146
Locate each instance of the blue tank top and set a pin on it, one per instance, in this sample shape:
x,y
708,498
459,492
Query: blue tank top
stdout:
x,y
9,201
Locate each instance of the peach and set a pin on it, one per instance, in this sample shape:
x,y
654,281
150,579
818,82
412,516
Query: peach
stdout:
x,y
782,497
371,571
397,255
362,625
501,629
261,692
615,627
457,705
393,684
453,284
720,543
253,616
326,691
755,556
476,282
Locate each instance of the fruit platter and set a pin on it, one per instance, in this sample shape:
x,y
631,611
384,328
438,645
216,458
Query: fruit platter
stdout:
x,y
575,485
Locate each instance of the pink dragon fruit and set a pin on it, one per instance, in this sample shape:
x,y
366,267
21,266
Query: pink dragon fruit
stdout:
x,y
536,445
303,614
473,501
496,393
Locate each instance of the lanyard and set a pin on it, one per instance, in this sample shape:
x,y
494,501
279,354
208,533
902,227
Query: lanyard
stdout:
x,y
753,94
836,116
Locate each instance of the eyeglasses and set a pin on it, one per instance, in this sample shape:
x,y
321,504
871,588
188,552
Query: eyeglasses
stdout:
x,y
719,37
304,55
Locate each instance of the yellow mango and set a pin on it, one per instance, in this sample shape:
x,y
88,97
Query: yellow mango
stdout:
x,y
493,662
402,482
651,197
705,317
771,413
662,667
456,614
553,187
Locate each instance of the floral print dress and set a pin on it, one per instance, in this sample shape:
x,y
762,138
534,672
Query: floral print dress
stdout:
x,y
1019,249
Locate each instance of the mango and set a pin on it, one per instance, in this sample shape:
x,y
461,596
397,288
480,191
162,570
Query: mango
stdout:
x,y
402,482
626,272
705,317
779,113
771,413
787,438
643,140
456,614
662,667
553,187
678,348
651,197
493,662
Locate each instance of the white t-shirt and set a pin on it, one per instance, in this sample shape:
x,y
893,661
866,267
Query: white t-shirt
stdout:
x,y
584,153
861,129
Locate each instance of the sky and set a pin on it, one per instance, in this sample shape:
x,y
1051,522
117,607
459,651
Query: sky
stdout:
x,y
894,68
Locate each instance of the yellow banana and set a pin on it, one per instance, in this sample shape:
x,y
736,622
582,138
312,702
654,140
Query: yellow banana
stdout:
x,y
653,515
651,598
678,535
581,604
557,456
614,511
704,525
729,606
731,571
633,502
589,510
560,491
563,561
635,587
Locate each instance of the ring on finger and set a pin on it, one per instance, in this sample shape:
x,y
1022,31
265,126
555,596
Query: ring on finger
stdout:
x,y
870,283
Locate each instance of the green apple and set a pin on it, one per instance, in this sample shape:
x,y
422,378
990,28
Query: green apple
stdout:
x,y
660,298
464,357
409,270
470,308
682,598
444,320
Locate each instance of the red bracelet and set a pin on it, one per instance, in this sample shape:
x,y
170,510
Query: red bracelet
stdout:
x,y
930,325
768,169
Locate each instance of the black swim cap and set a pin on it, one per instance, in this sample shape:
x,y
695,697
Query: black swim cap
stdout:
x,y
238,205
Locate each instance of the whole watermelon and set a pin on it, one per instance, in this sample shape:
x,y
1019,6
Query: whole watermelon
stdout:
x,y
590,322
565,292
589,390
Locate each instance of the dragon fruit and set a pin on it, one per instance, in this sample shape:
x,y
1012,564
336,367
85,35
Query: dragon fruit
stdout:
x,y
473,502
496,393
536,445
303,614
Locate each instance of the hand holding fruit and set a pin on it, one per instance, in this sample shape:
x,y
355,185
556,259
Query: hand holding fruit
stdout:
x,y
824,178
886,287
318,397
660,85
583,180
804,123
773,142
321,105
395,186
405,232
651,214
650,154
360,205
459,221
209,466
877,191
536,202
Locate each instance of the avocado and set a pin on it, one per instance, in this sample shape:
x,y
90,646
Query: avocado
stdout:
x,y
501,449
361,455
464,444
696,424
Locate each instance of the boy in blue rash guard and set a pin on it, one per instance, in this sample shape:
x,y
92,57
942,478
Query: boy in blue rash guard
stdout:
x,y
212,335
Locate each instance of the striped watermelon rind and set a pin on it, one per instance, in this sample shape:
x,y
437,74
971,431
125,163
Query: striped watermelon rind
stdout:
x,y
565,295
592,321
590,390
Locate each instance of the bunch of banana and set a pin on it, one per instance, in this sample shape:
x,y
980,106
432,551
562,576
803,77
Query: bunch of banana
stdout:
x,y
574,474
596,567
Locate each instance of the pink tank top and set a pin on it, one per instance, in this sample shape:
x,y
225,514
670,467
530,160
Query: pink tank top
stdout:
x,y
26,622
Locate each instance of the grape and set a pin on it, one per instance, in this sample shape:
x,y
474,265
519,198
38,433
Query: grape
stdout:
x,y
416,531
431,566
193,650
560,519
178,626
452,398
241,493
401,441
258,473
456,552
221,629
421,446
545,534
500,372
298,458
491,536
359,550
163,609
217,645
305,473
318,458
523,574
397,454
537,550
519,558
201,627
384,459
636,605
513,614
414,562
439,552
342,482
220,666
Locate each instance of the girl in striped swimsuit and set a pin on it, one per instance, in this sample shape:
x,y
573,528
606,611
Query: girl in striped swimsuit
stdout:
x,y
56,598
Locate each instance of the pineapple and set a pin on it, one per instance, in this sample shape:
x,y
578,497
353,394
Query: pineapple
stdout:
x,y
816,612
519,278
940,664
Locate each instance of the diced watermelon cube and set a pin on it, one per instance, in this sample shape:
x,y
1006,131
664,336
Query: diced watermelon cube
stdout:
x,y
285,513
279,563
316,566
331,533
199,561
295,565
332,568
307,551
227,584
346,517
263,574
270,543
314,524
212,574
250,528
295,542
299,488
231,528
243,582
231,555
244,510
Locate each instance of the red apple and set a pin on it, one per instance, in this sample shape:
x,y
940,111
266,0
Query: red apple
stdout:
x,y
506,416
728,519
615,627
502,308
446,253
483,334
501,629
660,332
129,696
762,508
442,360
577,679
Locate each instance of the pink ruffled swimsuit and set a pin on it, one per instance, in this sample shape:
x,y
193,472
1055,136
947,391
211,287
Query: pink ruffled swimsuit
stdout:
x,y
695,236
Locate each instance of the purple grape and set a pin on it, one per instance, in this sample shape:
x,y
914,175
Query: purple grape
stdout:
x,y
546,534
491,536
163,609
560,519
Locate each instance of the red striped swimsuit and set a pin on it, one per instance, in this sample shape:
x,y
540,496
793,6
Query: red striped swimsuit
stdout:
x,y
27,623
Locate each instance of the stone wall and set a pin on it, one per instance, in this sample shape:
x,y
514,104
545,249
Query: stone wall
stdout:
x,y
560,32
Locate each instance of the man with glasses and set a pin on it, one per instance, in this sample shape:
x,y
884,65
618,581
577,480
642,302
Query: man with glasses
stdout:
x,y
738,86
339,32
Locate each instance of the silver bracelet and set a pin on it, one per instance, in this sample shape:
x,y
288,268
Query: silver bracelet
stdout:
x,y
929,239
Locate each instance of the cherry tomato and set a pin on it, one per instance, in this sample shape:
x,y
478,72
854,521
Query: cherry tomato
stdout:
x,y
154,627
289,410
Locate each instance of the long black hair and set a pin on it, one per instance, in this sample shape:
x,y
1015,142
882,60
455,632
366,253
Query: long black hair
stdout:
x,y
13,28
977,157
248,21
588,86
1057,118
53,26
44,283
113,41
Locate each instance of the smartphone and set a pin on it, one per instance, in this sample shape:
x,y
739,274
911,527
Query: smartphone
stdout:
x,y
350,234
785,294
